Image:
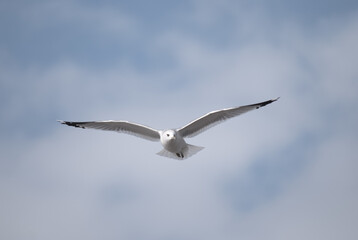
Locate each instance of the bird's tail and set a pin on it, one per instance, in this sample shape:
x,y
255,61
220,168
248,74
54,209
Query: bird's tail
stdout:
x,y
188,151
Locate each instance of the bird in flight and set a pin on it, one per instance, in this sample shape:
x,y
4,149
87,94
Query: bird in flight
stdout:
x,y
172,140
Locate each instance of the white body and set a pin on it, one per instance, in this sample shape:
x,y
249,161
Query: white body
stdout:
x,y
172,141
174,145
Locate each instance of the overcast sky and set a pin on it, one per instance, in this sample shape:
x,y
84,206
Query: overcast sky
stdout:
x,y
285,171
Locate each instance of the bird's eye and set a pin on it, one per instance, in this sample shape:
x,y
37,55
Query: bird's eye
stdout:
x,y
168,134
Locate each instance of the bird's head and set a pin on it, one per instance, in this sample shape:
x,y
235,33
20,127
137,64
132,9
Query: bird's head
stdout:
x,y
169,134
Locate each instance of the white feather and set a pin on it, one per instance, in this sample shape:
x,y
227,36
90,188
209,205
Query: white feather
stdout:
x,y
119,126
213,118
172,140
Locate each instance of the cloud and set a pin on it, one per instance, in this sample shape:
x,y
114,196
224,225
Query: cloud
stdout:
x,y
319,204
102,18
47,33
286,170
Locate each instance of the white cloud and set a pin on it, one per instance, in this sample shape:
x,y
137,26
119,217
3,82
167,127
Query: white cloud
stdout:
x,y
319,204
71,183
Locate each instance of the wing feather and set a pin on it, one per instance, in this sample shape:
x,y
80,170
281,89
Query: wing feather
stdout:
x,y
119,126
213,118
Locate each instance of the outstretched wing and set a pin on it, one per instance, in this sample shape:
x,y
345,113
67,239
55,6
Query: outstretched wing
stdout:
x,y
212,118
119,126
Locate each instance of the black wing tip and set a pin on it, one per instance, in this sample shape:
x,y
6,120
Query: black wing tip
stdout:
x,y
270,101
72,124
267,102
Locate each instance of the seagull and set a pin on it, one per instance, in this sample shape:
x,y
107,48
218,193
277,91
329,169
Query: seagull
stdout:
x,y
172,140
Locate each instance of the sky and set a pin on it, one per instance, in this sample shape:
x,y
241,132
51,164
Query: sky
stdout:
x,y
285,171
